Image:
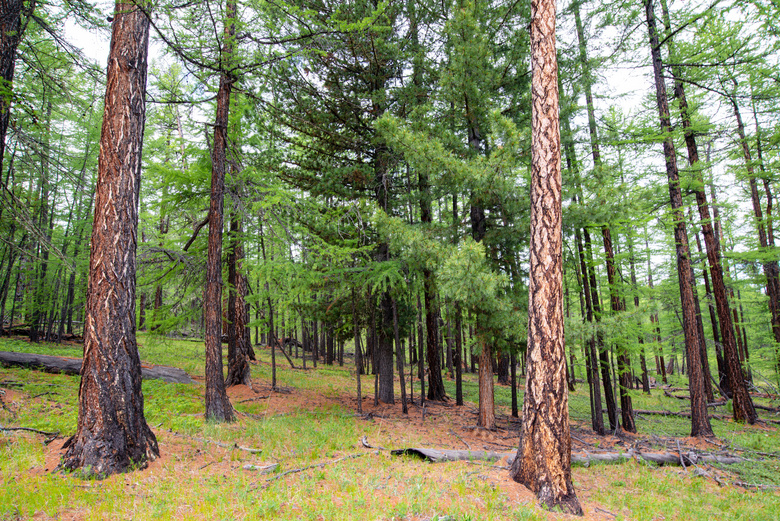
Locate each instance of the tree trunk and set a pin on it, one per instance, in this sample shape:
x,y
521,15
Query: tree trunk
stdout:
x,y
238,341
487,413
217,404
771,270
358,354
399,356
700,423
435,382
623,366
543,462
112,434
11,32
384,351
606,379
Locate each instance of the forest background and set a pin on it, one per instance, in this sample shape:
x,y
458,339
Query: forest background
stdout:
x,y
378,164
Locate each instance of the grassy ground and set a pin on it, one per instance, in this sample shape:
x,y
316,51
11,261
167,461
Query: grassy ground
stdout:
x,y
309,430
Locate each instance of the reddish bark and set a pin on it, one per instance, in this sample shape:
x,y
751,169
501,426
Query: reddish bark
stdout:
x,y
112,434
543,462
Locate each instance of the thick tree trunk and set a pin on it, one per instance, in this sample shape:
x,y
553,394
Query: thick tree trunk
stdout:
x,y
543,462
700,423
112,434
217,404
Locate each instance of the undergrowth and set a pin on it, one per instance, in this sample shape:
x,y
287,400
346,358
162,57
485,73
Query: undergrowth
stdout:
x,y
323,472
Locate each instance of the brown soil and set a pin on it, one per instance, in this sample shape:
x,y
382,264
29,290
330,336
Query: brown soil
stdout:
x,y
438,425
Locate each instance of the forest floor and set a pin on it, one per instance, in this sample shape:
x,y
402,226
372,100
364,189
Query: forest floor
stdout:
x,y
321,460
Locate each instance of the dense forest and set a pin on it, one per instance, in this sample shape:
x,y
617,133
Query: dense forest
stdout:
x,y
358,183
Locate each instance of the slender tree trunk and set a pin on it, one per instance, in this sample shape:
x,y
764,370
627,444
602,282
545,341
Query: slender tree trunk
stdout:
x,y
603,353
217,404
700,423
543,461
358,354
623,366
399,356
435,382
641,340
771,270
112,434
420,358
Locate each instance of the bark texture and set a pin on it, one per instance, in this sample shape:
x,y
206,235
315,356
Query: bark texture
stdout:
x,y
112,434
217,404
238,337
11,31
487,413
544,456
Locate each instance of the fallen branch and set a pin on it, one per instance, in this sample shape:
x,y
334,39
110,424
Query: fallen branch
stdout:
x,y
461,439
27,429
687,414
218,443
755,485
255,399
364,442
316,465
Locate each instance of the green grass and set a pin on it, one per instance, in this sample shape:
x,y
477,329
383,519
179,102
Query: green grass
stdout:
x,y
199,480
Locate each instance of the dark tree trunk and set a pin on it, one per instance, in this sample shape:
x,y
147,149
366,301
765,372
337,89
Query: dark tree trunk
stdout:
x,y
11,32
238,340
384,351
603,353
435,382
543,462
458,356
217,404
112,434
591,358
640,339
771,270
358,354
502,368
700,423
513,376
710,240
597,416
623,366
420,356
399,356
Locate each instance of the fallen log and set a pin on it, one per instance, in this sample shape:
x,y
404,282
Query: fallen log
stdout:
x,y
687,414
58,364
584,458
